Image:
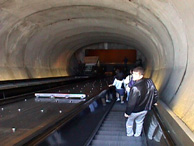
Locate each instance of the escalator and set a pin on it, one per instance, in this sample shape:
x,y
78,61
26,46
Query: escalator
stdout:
x,y
102,124
113,132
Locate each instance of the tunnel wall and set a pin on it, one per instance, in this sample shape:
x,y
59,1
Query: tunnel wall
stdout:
x,y
38,39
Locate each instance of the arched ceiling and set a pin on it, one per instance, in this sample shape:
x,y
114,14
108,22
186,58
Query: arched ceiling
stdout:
x,y
38,38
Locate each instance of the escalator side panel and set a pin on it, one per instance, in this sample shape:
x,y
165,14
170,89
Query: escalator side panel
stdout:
x,y
77,131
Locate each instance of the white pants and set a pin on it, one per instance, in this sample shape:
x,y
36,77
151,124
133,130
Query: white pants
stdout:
x,y
139,119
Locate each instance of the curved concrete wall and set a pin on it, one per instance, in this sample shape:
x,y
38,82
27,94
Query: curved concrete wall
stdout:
x,y
39,37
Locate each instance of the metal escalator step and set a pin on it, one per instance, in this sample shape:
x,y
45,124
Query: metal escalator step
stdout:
x,y
112,128
115,120
118,133
114,124
115,113
115,117
116,143
117,138
117,126
118,109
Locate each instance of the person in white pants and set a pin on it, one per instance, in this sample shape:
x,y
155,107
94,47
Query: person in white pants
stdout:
x,y
143,95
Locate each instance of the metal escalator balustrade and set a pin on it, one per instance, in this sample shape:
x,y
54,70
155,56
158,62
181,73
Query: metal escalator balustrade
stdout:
x,y
96,127
33,119
16,90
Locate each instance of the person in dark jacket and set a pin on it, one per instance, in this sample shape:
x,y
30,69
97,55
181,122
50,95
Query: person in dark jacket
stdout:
x,y
143,95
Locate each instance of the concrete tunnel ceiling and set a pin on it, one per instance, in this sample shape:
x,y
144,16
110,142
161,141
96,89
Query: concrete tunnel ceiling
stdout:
x,y
38,39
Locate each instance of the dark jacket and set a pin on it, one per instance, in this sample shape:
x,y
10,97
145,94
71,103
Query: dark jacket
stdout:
x,y
142,96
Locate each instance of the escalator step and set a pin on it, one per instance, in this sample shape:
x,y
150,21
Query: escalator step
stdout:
x,y
112,129
115,121
118,116
116,113
117,133
116,126
115,118
118,138
116,143
113,124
